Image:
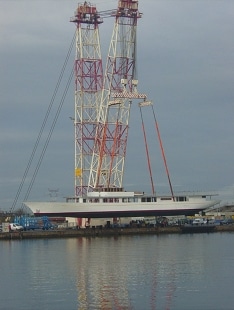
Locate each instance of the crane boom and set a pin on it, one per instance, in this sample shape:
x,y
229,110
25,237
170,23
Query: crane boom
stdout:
x,y
107,166
88,90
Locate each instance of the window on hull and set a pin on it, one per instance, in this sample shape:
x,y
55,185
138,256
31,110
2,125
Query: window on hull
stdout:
x,y
148,199
181,198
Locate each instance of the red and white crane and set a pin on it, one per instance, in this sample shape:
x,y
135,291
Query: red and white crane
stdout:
x,y
88,90
103,101
119,89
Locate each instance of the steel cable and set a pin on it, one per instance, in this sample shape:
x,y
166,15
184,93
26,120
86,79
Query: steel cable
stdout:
x,y
49,136
43,125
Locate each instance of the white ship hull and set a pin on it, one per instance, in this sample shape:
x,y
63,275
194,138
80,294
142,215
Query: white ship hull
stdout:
x,y
122,205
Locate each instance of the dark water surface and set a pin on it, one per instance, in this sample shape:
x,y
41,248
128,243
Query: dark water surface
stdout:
x,y
190,271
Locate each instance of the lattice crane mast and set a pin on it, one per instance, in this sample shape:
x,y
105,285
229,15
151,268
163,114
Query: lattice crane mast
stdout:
x,y
120,88
88,90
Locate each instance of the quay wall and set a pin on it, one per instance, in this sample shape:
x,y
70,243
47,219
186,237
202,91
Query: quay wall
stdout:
x,y
99,232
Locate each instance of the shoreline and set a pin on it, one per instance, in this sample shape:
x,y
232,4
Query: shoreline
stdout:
x,y
103,232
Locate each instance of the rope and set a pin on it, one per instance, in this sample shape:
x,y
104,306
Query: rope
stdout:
x,y
49,135
163,153
147,154
42,128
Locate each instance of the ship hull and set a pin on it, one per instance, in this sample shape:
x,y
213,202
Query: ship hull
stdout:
x,y
85,210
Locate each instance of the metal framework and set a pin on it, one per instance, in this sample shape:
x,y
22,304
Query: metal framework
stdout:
x,y
88,90
120,88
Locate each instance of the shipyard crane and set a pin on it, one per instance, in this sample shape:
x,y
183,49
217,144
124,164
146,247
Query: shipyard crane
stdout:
x,y
101,124
88,90
103,101
119,89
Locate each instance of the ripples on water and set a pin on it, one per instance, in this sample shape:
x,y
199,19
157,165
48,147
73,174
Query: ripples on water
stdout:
x,y
138,272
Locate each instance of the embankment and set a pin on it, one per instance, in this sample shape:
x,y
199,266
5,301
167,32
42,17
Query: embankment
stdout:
x,y
99,232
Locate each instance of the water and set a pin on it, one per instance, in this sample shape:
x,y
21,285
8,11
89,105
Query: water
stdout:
x,y
189,271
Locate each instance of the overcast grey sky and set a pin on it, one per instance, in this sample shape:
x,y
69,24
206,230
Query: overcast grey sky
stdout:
x,y
185,65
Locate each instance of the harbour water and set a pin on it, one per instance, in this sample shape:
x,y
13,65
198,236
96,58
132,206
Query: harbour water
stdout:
x,y
173,271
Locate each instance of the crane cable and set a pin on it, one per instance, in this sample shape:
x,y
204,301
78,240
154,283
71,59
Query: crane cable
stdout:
x,y
147,153
42,129
49,135
163,154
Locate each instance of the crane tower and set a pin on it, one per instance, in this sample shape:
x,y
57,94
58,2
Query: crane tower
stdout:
x,y
88,90
119,89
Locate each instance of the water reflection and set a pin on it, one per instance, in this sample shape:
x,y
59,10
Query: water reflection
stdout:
x,y
151,272
123,273
102,276
172,272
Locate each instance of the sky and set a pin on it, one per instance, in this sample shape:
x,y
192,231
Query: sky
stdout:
x,y
185,60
